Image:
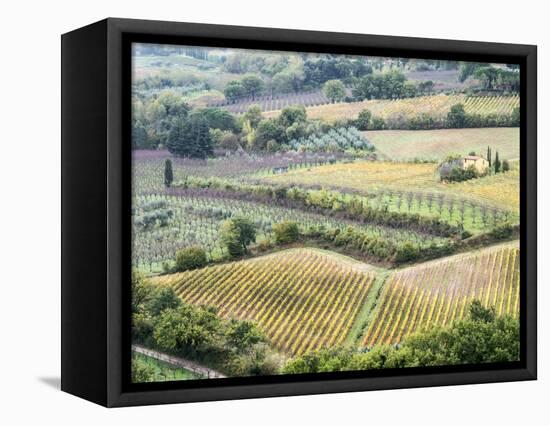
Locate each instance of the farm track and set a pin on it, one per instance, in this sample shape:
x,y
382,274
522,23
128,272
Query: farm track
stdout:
x,y
179,362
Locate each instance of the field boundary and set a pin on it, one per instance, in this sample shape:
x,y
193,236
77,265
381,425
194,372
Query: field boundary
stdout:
x,y
179,362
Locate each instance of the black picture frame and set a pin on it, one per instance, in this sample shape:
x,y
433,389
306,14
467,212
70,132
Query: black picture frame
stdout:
x,y
96,211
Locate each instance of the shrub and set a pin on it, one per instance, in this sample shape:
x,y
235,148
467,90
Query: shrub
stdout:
x,y
363,119
190,258
286,232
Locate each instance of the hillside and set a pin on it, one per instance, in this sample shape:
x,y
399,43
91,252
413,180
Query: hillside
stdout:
x,y
378,177
437,144
303,299
436,106
438,292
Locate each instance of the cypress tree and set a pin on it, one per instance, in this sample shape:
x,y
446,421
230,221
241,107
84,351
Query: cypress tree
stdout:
x,y
168,174
489,156
497,163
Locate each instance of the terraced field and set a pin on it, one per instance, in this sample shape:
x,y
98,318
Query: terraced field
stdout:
x,y
303,299
436,106
437,144
501,190
438,292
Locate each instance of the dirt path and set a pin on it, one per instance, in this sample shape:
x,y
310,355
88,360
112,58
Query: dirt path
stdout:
x,y
179,362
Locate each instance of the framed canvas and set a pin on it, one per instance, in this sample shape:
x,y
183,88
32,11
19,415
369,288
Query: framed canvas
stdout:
x,y
257,212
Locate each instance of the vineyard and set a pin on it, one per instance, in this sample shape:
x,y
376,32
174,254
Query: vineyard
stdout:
x,y
275,102
438,292
303,299
164,224
403,145
416,188
435,106
320,235
149,166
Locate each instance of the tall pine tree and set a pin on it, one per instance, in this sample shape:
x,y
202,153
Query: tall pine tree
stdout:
x,y
168,174
497,163
489,155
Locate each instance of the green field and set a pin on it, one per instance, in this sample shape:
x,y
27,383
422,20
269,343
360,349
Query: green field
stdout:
x,y
437,144
164,371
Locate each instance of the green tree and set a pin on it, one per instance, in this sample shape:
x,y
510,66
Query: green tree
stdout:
x,y
286,232
334,90
190,137
216,118
186,329
142,292
515,117
141,371
505,166
168,174
236,234
363,120
234,90
456,117
140,138
253,115
190,258
292,115
479,338
267,130
252,85
164,298
489,156
243,335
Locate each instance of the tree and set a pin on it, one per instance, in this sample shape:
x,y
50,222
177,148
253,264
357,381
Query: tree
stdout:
x,y
164,298
268,130
141,371
497,163
140,138
291,115
253,115
516,117
168,174
186,329
286,232
190,258
243,335
456,117
334,90
216,118
479,338
489,156
236,234
426,86
505,166
252,85
488,75
363,119
190,137
234,90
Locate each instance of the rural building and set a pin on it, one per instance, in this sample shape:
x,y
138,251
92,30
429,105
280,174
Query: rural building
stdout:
x,y
479,163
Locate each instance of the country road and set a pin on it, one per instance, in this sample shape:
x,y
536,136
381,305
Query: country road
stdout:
x,y
179,362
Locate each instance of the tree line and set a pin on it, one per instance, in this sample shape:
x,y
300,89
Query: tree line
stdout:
x,y
161,321
481,337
